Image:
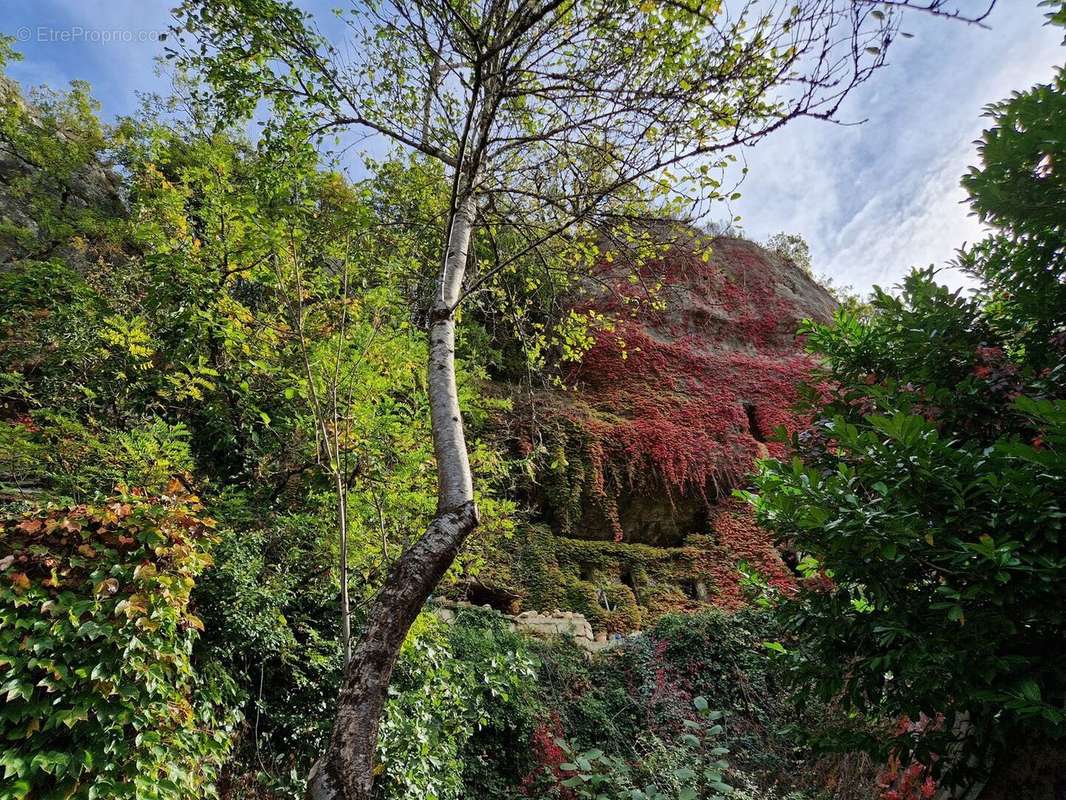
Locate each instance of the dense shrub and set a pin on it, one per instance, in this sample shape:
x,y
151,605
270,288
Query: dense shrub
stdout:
x,y
474,678
102,698
146,331
635,702
649,684
929,496
690,767
269,610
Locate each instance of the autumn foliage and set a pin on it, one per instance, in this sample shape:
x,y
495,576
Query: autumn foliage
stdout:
x,y
698,370
96,637
690,372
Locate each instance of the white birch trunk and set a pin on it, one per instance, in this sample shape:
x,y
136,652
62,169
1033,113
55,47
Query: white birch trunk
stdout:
x,y
346,771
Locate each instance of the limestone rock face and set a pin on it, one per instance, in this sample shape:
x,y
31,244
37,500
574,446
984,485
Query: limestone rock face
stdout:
x,y
90,187
665,415
535,623
742,297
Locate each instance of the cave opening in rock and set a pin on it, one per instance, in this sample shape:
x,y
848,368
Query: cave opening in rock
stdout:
x,y
753,422
499,599
701,520
627,579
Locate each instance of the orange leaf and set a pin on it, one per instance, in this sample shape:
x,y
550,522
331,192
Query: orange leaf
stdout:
x,y
30,526
21,581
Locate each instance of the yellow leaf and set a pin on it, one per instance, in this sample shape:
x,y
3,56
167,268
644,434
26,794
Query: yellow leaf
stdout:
x,y
137,604
144,570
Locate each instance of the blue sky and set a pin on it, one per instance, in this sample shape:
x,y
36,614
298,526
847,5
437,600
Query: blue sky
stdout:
x,y
871,199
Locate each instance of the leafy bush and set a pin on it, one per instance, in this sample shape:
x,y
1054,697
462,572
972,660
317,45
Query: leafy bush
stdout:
x,y
635,702
691,767
930,492
649,683
269,610
448,686
102,698
75,462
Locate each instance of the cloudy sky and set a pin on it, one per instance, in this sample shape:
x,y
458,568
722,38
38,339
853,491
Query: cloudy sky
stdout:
x,y
872,199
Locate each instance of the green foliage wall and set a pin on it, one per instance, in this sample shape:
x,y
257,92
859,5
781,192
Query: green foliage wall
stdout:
x,y
473,682
147,333
101,695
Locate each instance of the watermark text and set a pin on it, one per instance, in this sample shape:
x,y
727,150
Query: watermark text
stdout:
x,y
76,34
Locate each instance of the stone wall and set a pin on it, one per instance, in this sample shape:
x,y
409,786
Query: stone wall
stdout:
x,y
543,624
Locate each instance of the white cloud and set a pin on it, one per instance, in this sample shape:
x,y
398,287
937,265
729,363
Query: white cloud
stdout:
x,y
875,199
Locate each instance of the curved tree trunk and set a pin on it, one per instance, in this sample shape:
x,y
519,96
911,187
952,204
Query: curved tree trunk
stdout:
x,y
345,772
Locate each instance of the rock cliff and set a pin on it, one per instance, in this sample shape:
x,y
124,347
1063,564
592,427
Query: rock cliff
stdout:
x,y
660,421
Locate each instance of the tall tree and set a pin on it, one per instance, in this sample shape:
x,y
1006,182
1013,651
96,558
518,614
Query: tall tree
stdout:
x,y
550,116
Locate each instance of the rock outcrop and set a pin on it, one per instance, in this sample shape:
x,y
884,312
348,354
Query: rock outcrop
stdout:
x,y
546,625
661,420
48,201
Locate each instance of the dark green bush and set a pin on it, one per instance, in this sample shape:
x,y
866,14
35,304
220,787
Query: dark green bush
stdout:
x,y
462,696
722,657
929,494
269,607
635,701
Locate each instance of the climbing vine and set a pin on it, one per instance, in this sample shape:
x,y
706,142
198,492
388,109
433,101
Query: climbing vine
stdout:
x,y
677,397
101,695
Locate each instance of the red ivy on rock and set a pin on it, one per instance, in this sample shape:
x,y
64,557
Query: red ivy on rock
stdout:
x,y
687,387
692,388
740,539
